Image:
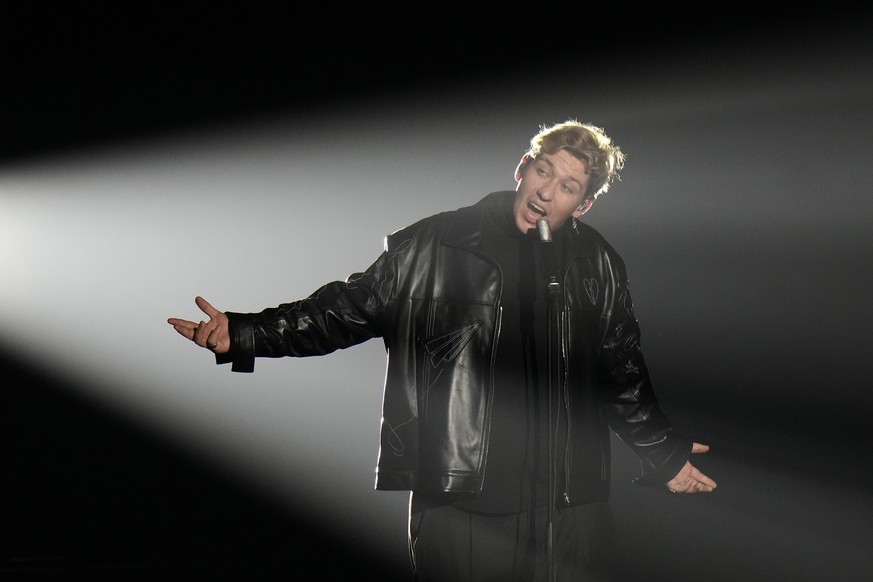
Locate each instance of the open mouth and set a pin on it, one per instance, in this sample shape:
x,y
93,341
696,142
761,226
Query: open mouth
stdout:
x,y
532,213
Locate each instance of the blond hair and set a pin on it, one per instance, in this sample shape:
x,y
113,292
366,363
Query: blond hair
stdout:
x,y
586,142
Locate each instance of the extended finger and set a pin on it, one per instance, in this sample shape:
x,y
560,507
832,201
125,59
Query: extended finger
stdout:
x,y
182,323
701,478
698,487
701,487
708,483
183,326
690,486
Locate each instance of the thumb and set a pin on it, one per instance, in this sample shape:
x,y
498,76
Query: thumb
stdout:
x,y
206,307
695,447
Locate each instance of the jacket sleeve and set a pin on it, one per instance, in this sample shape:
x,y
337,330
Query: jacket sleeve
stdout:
x,y
338,315
629,400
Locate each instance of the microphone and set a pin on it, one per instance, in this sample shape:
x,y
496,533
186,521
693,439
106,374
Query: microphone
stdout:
x,y
550,269
545,230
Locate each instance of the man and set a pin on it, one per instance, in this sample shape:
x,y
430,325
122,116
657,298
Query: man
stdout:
x,y
512,350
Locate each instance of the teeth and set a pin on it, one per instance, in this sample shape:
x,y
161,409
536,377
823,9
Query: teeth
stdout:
x,y
536,208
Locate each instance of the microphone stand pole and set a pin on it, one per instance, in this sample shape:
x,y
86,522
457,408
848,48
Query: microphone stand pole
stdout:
x,y
554,304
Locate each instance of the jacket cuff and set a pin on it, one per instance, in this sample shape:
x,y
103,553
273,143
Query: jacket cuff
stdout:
x,y
241,354
674,454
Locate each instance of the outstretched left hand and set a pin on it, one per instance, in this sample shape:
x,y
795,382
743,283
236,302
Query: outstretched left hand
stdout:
x,y
690,479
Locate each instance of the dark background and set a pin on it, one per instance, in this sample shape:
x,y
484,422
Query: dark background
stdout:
x,y
74,76
87,77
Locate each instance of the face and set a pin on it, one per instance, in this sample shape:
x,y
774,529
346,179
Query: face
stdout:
x,y
553,187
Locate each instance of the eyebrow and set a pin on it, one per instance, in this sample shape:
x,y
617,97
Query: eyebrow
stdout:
x,y
551,165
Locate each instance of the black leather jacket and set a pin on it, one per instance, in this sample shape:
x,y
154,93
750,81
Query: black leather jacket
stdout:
x,y
434,298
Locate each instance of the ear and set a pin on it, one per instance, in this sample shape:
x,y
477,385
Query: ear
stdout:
x,y
525,160
584,207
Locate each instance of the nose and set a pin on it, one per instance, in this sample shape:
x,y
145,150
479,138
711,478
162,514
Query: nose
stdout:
x,y
544,194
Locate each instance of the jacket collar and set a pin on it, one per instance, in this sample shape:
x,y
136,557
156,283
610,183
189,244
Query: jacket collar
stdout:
x,y
465,228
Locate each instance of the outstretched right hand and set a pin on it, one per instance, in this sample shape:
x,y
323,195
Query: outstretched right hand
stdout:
x,y
212,335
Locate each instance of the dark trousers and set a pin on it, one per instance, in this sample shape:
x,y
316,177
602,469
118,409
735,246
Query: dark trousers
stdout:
x,y
452,545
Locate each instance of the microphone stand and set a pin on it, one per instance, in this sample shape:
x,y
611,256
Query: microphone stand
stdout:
x,y
553,304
